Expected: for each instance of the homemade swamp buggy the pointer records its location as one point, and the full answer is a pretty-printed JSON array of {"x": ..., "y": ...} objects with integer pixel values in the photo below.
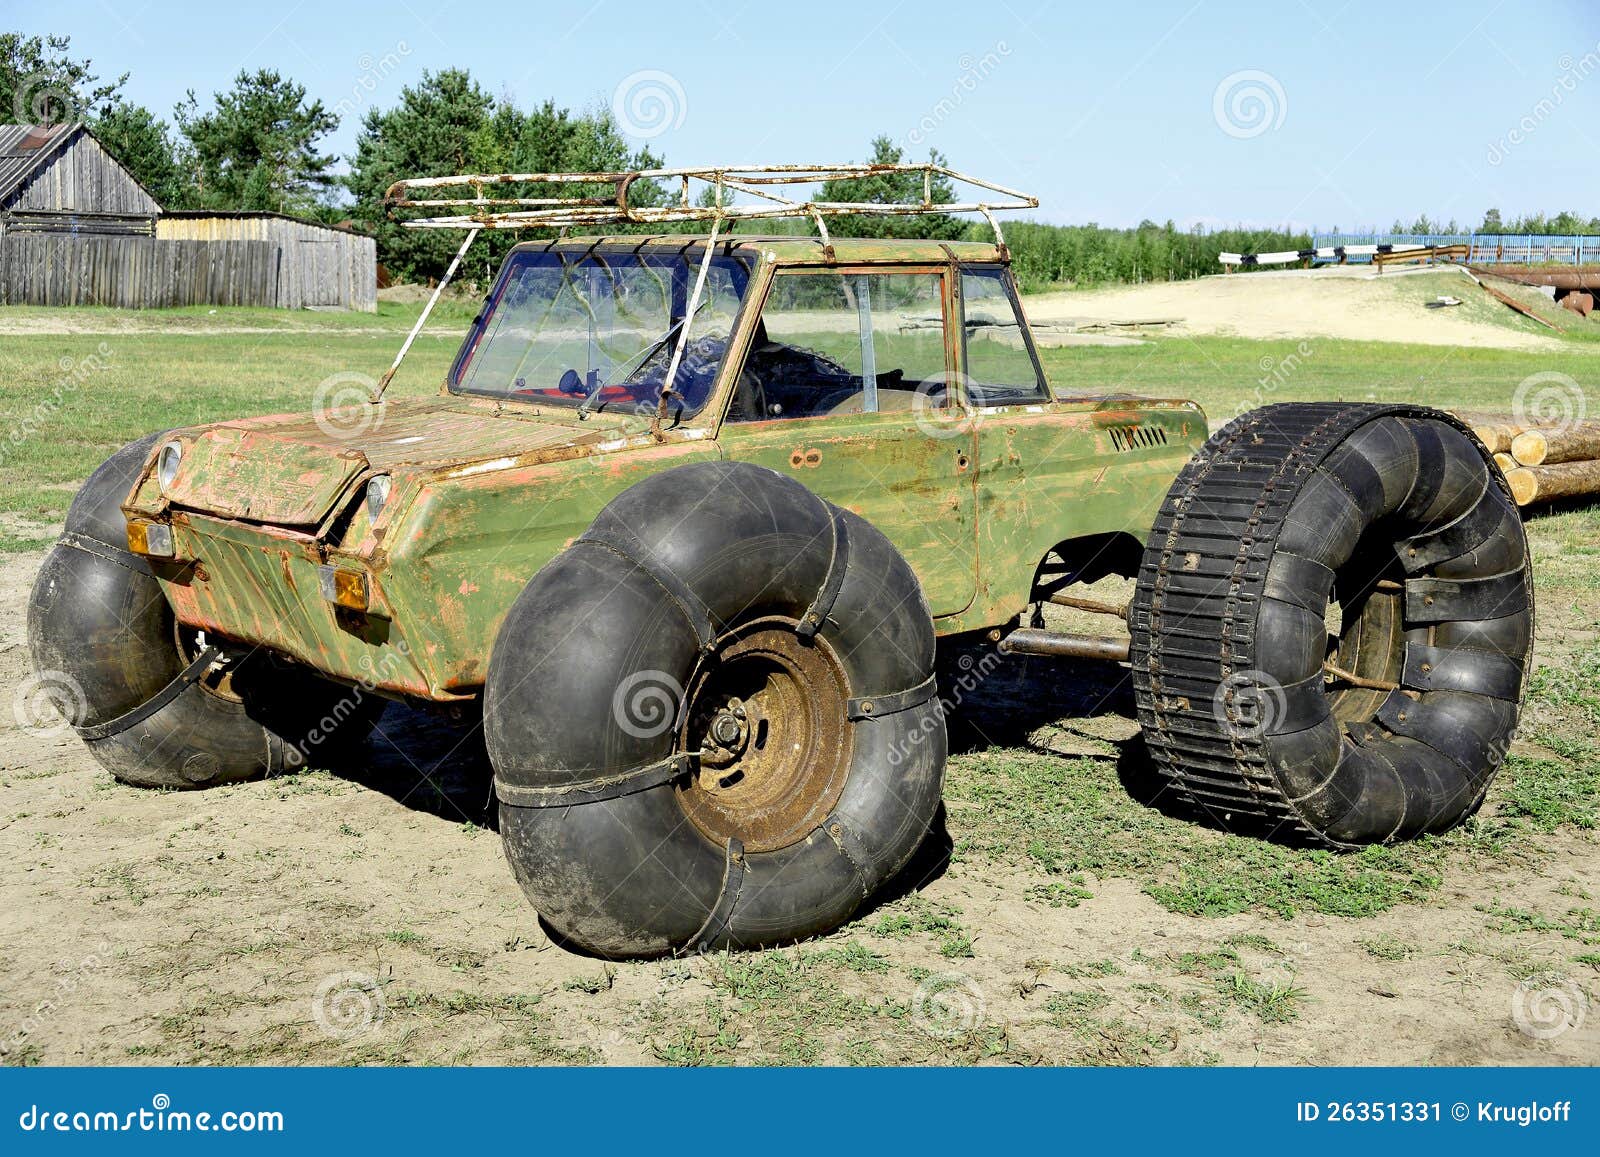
[{"x": 688, "y": 517}]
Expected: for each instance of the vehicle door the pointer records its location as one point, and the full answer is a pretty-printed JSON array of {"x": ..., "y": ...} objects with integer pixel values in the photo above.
[{"x": 848, "y": 385}]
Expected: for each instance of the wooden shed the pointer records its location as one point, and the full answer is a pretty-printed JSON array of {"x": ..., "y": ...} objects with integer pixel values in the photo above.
[
  {"x": 321, "y": 267},
  {"x": 77, "y": 228},
  {"x": 59, "y": 179}
]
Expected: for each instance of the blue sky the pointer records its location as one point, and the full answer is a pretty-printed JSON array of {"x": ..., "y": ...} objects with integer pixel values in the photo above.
[{"x": 1299, "y": 112}]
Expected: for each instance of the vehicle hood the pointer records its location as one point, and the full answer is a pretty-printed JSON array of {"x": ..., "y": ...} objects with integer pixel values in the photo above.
[{"x": 290, "y": 470}]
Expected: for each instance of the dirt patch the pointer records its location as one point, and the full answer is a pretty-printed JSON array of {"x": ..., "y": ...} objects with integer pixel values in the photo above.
[
  {"x": 370, "y": 917},
  {"x": 1352, "y": 304}
]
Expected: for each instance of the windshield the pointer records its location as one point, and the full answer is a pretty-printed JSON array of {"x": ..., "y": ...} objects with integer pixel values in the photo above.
[{"x": 596, "y": 330}]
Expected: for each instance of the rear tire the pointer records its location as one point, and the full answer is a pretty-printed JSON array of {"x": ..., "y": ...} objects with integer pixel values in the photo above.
[
  {"x": 1393, "y": 725},
  {"x": 680, "y": 622}
]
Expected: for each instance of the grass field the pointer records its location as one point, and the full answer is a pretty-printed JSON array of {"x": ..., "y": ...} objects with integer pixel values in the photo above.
[
  {"x": 1075, "y": 923},
  {"x": 69, "y": 399}
]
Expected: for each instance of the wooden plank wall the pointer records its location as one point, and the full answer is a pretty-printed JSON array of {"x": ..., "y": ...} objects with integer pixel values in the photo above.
[
  {"x": 137, "y": 272},
  {"x": 321, "y": 268}
]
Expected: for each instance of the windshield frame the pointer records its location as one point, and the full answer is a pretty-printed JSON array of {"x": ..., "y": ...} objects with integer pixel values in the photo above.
[{"x": 688, "y": 254}]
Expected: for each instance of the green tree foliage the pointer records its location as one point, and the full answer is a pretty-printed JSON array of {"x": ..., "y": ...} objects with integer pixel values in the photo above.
[
  {"x": 143, "y": 144},
  {"x": 42, "y": 83},
  {"x": 256, "y": 148},
  {"x": 448, "y": 124},
  {"x": 1045, "y": 255},
  {"x": 1538, "y": 224},
  {"x": 893, "y": 188}
]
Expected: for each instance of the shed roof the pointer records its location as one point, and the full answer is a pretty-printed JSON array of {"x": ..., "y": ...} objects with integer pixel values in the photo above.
[{"x": 25, "y": 149}]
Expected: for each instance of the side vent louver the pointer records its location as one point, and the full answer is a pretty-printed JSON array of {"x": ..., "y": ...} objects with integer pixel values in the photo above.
[{"x": 1137, "y": 437}]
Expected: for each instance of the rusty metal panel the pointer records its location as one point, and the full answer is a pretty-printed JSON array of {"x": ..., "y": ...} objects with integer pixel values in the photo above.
[{"x": 1047, "y": 474}]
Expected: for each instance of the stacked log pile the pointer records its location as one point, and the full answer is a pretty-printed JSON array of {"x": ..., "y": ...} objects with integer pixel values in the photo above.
[{"x": 1542, "y": 462}]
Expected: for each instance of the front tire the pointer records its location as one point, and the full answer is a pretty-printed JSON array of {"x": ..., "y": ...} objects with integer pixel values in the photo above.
[
  {"x": 712, "y": 718},
  {"x": 100, "y": 628}
]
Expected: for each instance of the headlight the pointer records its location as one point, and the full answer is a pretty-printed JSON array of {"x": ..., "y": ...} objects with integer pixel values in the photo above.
[
  {"x": 167, "y": 463},
  {"x": 377, "y": 495}
]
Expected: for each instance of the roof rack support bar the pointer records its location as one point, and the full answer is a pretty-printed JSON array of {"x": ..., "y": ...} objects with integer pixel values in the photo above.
[
  {"x": 455, "y": 263},
  {"x": 999, "y": 237},
  {"x": 827, "y": 242},
  {"x": 668, "y": 387}
]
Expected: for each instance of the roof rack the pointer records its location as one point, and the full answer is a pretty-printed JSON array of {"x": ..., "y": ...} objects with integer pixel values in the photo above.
[{"x": 769, "y": 186}]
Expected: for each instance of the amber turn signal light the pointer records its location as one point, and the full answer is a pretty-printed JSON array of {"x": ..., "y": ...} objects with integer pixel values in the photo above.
[
  {"x": 151, "y": 539},
  {"x": 342, "y": 587}
]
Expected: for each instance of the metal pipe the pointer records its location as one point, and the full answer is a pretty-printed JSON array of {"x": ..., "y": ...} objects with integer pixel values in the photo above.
[
  {"x": 1064, "y": 645},
  {"x": 1093, "y": 606},
  {"x": 455, "y": 263}
]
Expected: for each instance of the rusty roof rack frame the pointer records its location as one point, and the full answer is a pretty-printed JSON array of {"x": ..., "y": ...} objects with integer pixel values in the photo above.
[{"x": 484, "y": 210}]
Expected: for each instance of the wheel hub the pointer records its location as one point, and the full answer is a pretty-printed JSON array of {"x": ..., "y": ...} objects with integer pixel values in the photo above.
[{"x": 768, "y": 719}]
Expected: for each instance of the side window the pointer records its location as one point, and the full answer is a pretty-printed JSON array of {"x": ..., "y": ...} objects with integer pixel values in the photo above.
[
  {"x": 843, "y": 343},
  {"x": 1000, "y": 370}
]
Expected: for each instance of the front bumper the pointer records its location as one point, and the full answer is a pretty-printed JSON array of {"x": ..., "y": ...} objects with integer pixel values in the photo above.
[{"x": 263, "y": 586}]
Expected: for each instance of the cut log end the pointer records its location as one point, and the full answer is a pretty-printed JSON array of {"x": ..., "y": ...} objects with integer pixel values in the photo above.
[
  {"x": 1530, "y": 447},
  {"x": 1531, "y": 484},
  {"x": 1577, "y": 442},
  {"x": 1493, "y": 437}
]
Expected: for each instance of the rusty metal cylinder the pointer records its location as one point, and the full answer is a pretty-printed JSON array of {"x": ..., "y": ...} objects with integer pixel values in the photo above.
[{"x": 1064, "y": 645}]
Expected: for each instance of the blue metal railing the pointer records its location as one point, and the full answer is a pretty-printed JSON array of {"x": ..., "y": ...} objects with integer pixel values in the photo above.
[{"x": 1487, "y": 248}]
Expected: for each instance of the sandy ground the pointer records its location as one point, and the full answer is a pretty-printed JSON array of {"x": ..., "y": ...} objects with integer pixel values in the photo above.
[
  {"x": 361, "y": 917},
  {"x": 1351, "y": 303}
]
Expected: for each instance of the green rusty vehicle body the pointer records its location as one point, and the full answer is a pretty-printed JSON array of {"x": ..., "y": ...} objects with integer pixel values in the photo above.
[{"x": 486, "y": 491}]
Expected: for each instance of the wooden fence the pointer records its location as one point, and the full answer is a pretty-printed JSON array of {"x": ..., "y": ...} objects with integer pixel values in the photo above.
[{"x": 136, "y": 272}]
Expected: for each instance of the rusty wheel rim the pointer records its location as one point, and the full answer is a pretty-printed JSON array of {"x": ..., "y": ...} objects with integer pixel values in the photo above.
[{"x": 769, "y": 720}]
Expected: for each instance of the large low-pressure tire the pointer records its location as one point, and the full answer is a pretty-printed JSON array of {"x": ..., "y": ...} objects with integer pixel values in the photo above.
[
  {"x": 713, "y": 719},
  {"x": 1383, "y": 721},
  {"x": 109, "y": 654}
]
